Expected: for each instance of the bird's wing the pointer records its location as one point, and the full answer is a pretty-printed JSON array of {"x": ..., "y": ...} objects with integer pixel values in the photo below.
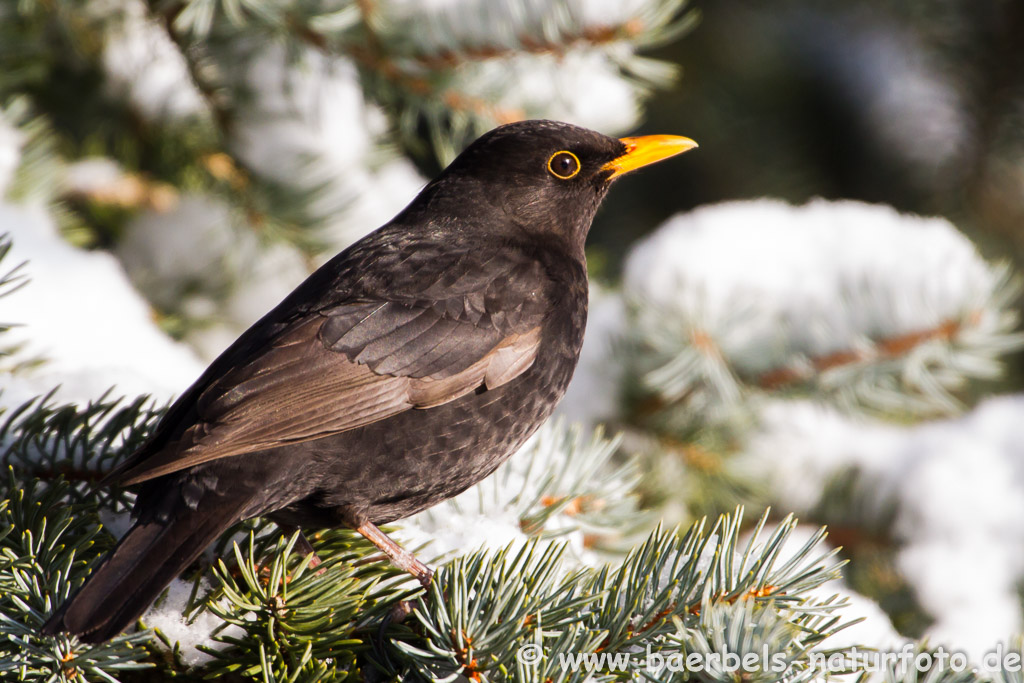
[{"x": 349, "y": 366}]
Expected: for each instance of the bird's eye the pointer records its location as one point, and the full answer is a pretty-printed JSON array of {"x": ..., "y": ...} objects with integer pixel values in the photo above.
[{"x": 564, "y": 164}]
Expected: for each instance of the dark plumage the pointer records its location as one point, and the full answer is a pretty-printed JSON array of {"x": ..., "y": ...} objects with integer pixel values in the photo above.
[{"x": 403, "y": 371}]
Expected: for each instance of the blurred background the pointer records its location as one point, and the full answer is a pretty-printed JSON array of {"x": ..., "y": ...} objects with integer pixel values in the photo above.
[
  {"x": 914, "y": 104},
  {"x": 817, "y": 310}
]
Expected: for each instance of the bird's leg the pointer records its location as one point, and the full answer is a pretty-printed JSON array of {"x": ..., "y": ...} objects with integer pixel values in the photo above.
[
  {"x": 302, "y": 544},
  {"x": 398, "y": 555}
]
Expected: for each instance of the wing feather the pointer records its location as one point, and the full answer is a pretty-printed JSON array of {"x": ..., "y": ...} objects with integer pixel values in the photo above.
[
  {"x": 304, "y": 390},
  {"x": 308, "y": 371}
]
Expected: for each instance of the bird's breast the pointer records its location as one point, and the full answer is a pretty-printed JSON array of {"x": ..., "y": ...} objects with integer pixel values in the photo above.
[{"x": 419, "y": 458}]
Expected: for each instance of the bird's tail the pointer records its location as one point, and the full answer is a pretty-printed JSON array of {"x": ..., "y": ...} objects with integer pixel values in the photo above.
[{"x": 145, "y": 560}]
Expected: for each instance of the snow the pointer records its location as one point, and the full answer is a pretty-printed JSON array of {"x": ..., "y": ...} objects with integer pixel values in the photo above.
[
  {"x": 877, "y": 309},
  {"x": 578, "y": 82},
  {"x": 189, "y": 251},
  {"x": 584, "y": 87},
  {"x": 91, "y": 174},
  {"x": 555, "y": 461},
  {"x": 268, "y": 276},
  {"x": 593, "y": 394},
  {"x": 876, "y": 629},
  {"x": 610, "y": 12},
  {"x": 957, "y": 489},
  {"x": 802, "y": 445},
  {"x": 166, "y": 615},
  {"x": 449, "y": 530},
  {"x": 433, "y": 26},
  {"x": 80, "y": 313},
  {"x": 117, "y": 523},
  {"x": 310, "y": 125},
  {"x": 143, "y": 64},
  {"x": 10, "y": 153},
  {"x": 195, "y": 261},
  {"x": 781, "y": 269}
]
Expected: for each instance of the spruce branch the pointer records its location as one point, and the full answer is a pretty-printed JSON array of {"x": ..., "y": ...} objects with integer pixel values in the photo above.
[
  {"x": 278, "y": 211},
  {"x": 294, "y": 622},
  {"x": 80, "y": 444},
  {"x": 590, "y": 36},
  {"x": 676, "y": 590},
  {"x": 159, "y": 158},
  {"x": 284, "y": 617},
  {"x": 37, "y": 177},
  {"x": 497, "y": 31},
  {"x": 479, "y": 606},
  {"x": 291, "y": 613},
  {"x": 1010, "y": 670},
  {"x": 903, "y": 344},
  {"x": 422, "y": 65},
  {"x": 925, "y": 666},
  {"x": 182, "y": 22},
  {"x": 47, "y": 548},
  {"x": 917, "y": 371},
  {"x": 700, "y": 591},
  {"x": 743, "y": 631},
  {"x": 11, "y": 280},
  {"x": 567, "y": 472},
  {"x": 884, "y": 348}
]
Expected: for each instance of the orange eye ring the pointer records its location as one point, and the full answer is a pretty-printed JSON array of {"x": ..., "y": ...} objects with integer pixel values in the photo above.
[{"x": 564, "y": 165}]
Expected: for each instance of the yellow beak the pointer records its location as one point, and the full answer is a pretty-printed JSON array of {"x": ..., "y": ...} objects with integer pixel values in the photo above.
[{"x": 646, "y": 150}]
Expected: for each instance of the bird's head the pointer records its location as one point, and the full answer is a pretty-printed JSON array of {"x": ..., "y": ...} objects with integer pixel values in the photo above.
[{"x": 542, "y": 176}]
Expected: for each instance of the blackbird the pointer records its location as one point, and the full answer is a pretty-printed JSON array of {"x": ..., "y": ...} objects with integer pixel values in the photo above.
[{"x": 400, "y": 373}]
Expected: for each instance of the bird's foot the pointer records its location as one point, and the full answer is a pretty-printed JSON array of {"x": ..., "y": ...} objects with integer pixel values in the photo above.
[
  {"x": 303, "y": 546},
  {"x": 399, "y": 611},
  {"x": 425, "y": 576}
]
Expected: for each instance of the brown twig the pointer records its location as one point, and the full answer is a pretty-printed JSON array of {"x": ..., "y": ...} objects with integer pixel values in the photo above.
[
  {"x": 777, "y": 378},
  {"x": 592, "y": 35},
  {"x": 372, "y": 57},
  {"x": 762, "y": 592},
  {"x": 889, "y": 347},
  {"x": 222, "y": 114},
  {"x": 425, "y": 88}
]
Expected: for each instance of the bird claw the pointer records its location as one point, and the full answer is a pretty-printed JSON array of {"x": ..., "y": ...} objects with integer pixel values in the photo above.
[{"x": 398, "y": 612}]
